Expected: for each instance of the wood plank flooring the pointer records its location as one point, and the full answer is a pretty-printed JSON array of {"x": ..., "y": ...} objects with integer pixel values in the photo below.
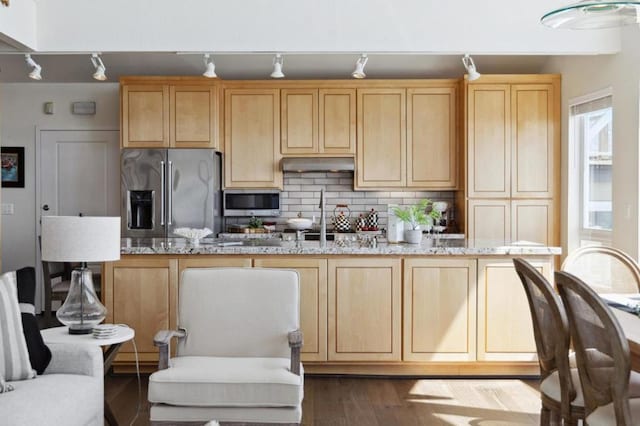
[{"x": 348, "y": 401}]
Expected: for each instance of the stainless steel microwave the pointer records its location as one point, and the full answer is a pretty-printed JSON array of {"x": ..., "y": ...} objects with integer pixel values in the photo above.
[{"x": 251, "y": 202}]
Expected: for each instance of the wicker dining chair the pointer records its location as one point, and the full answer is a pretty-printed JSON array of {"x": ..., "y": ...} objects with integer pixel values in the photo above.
[
  {"x": 602, "y": 355},
  {"x": 605, "y": 269},
  {"x": 560, "y": 390}
]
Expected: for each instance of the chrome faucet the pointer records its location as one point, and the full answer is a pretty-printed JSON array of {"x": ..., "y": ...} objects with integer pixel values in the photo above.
[{"x": 323, "y": 221}]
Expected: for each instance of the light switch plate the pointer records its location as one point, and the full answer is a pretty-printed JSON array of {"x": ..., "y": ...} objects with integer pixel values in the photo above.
[{"x": 6, "y": 209}]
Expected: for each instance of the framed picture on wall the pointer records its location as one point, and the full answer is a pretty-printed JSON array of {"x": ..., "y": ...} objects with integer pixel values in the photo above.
[{"x": 12, "y": 159}]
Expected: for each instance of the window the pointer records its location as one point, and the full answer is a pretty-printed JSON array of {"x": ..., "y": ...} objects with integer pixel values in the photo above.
[{"x": 591, "y": 136}]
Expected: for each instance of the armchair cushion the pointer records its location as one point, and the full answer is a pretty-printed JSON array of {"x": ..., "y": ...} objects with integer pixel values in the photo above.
[{"x": 227, "y": 382}]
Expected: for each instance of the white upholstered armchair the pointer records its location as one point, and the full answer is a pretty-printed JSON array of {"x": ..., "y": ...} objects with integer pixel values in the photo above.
[{"x": 238, "y": 352}]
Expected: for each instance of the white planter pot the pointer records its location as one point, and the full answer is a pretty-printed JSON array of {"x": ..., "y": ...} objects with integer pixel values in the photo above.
[{"x": 413, "y": 236}]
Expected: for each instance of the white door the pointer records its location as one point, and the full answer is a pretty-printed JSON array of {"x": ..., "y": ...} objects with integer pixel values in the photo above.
[{"x": 78, "y": 172}]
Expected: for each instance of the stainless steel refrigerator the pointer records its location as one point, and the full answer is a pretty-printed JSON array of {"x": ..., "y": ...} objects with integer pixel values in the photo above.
[{"x": 165, "y": 189}]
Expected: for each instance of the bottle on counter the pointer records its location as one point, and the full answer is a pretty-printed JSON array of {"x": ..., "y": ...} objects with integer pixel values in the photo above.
[{"x": 395, "y": 227}]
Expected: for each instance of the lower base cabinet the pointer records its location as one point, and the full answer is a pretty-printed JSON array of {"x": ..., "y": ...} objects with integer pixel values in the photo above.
[
  {"x": 364, "y": 309},
  {"x": 505, "y": 329},
  {"x": 439, "y": 310},
  {"x": 142, "y": 293},
  {"x": 313, "y": 302}
]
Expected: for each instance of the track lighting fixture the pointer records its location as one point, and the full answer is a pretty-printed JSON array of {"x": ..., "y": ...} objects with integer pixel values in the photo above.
[
  {"x": 358, "y": 72},
  {"x": 210, "y": 67},
  {"x": 36, "y": 73},
  {"x": 470, "y": 66},
  {"x": 278, "y": 61},
  {"x": 99, "y": 66},
  {"x": 592, "y": 15}
]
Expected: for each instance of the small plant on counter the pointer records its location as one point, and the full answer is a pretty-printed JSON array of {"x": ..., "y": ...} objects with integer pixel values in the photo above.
[
  {"x": 414, "y": 215},
  {"x": 254, "y": 222}
]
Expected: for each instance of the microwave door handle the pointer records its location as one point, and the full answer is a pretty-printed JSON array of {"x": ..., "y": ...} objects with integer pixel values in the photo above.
[
  {"x": 162, "y": 191},
  {"x": 169, "y": 194}
]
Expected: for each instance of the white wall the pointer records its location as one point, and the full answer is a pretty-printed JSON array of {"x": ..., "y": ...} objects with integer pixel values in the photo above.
[
  {"x": 621, "y": 72},
  {"x": 497, "y": 26},
  {"x": 21, "y": 110}
]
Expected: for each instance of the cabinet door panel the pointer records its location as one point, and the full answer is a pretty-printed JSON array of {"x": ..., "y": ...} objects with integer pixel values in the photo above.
[
  {"x": 364, "y": 310},
  {"x": 533, "y": 133},
  {"x": 488, "y": 141},
  {"x": 193, "y": 116},
  {"x": 299, "y": 121},
  {"x": 143, "y": 294},
  {"x": 145, "y": 116},
  {"x": 381, "y": 151},
  {"x": 505, "y": 329},
  {"x": 431, "y": 138},
  {"x": 337, "y": 118},
  {"x": 252, "y": 138},
  {"x": 488, "y": 220},
  {"x": 313, "y": 302},
  {"x": 532, "y": 220},
  {"x": 439, "y": 310}
]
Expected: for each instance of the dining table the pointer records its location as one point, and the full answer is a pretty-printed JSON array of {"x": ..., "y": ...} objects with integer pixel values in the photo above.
[{"x": 630, "y": 324}]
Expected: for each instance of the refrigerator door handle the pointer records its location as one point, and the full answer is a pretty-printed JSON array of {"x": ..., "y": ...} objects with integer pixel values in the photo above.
[
  {"x": 162, "y": 192},
  {"x": 169, "y": 194}
]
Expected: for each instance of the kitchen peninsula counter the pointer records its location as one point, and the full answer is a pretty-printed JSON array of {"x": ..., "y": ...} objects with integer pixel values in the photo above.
[
  {"x": 429, "y": 247},
  {"x": 444, "y": 307}
]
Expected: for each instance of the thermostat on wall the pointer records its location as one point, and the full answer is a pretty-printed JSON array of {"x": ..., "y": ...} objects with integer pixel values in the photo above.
[{"x": 83, "y": 108}]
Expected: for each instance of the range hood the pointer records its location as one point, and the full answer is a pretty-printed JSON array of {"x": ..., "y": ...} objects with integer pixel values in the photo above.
[{"x": 317, "y": 164}]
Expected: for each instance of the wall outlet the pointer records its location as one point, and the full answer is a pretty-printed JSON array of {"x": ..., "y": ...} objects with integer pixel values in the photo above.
[{"x": 6, "y": 209}]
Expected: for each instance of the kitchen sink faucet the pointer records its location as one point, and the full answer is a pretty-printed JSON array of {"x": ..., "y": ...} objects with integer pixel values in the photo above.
[{"x": 323, "y": 221}]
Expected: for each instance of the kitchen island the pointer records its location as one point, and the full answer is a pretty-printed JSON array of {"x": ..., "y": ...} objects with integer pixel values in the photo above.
[{"x": 444, "y": 307}]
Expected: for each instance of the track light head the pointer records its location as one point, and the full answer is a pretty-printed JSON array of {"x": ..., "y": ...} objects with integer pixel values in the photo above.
[
  {"x": 470, "y": 66},
  {"x": 358, "y": 72},
  {"x": 36, "y": 72},
  {"x": 210, "y": 67},
  {"x": 278, "y": 61},
  {"x": 99, "y": 66}
]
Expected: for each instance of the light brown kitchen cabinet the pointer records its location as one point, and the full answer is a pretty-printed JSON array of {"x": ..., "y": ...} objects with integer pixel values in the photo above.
[
  {"x": 432, "y": 138},
  {"x": 142, "y": 293},
  {"x": 364, "y": 309},
  {"x": 252, "y": 138},
  {"x": 169, "y": 113},
  {"x": 381, "y": 138},
  {"x": 337, "y": 121},
  {"x": 313, "y": 301},
  {"x": 504, "y": 221},
  {"x": 145, "y": 116},
  {"x": 505, "y": 330},
  {"x": 214, "y": 262},
  {"x": 299, "y": 115},
  {"x": 439, "y": 310},
  {"x": 193, "y": 116}
]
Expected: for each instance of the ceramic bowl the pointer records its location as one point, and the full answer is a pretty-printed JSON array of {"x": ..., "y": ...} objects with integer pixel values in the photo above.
[{"x": 299, "y": 223}]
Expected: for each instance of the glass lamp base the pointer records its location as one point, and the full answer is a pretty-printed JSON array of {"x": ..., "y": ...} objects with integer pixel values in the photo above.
[{"x": 82, "y": 310}]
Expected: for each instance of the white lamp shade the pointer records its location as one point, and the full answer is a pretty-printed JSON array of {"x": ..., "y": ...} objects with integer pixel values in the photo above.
[{"x": 80, "y": 239}]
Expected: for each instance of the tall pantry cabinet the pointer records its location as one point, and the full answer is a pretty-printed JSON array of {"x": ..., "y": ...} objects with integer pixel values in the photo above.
[{"x": 513, "y": 158}]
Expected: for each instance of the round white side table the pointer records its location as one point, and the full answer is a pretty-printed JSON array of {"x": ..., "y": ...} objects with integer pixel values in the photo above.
[{"x": 123, "y": 334}]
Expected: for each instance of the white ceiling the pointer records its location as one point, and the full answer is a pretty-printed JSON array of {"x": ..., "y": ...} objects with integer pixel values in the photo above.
[{"x": 320, "y": 39}]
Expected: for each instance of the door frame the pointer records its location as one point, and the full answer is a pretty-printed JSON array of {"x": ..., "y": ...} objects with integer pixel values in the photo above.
[{"x": 39, "y": 296}]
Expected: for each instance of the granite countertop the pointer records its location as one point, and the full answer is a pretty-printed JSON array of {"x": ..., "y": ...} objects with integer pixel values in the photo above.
[{"x": 429, "y": 246}]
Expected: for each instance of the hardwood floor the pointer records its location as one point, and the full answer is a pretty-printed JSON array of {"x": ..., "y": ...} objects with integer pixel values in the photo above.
[{"x": 340, "y": 401}]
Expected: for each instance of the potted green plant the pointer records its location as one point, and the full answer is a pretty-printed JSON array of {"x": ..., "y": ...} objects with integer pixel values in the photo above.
[{"x": 415, "y": 216}]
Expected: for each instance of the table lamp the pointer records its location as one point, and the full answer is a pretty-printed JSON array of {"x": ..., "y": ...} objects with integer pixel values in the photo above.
[{"x": 81, "y": 239}]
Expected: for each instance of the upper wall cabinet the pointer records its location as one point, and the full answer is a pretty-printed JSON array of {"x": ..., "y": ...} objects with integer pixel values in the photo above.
[
  {"x": 512, "y": 139},
  {"x": 252, "y": 138},
  {"x": 318, "y": 121},
  {"x": 179, "y": 113},
  {"x": 432, "y": 138},
  {"x": 407, "y": 137},
  {"x": 382, "y": 136}
]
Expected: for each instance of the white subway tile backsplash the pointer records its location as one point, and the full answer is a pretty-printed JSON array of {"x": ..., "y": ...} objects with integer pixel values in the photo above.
[{"x": 302, "y": 194}]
